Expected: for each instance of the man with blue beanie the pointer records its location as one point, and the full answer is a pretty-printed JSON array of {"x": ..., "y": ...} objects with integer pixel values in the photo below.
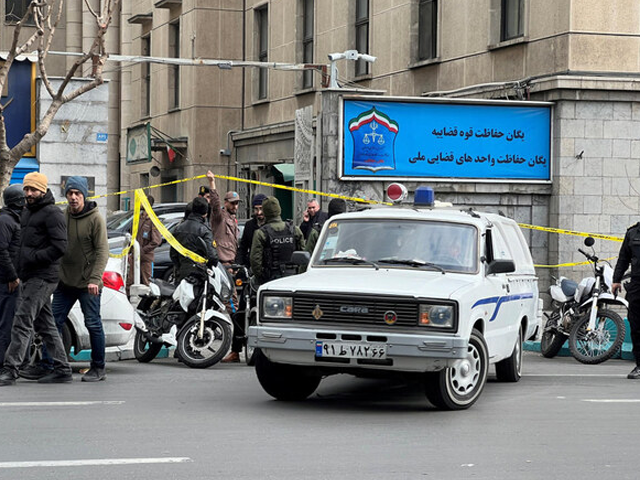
[{"x": 81, "y": 272}]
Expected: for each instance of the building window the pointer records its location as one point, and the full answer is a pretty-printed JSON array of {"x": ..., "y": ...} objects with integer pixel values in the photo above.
[
  {"x": 512, "y": 24},
  {"x": 427, "y": 29},
  {"x": 174, "y": 73},
  {"x": 15, "y": 10},
  {"x": 307, "y": 41},
  {"x": 362, "y": 35},
  {"x": 262, "y": 24},
  {"x": 145, "y": 76}
]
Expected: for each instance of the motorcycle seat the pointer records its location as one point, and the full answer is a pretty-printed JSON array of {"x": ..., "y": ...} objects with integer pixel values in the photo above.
[
  {"x": 569, "y": 287},
  {"x": 166, "y": 288}
]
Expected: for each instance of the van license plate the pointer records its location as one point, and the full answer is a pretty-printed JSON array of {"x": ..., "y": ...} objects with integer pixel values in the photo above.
[{"x": 351, "y": 350}]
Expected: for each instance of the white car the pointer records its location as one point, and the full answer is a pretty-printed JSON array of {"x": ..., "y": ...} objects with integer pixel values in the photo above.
[
  {"x": 118, "y": 316},
  {"x": 428, "y": 293}
]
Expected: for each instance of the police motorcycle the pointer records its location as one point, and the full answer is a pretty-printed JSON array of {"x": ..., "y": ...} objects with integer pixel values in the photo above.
[
  {"x": 191, "y": 316},
  {"x": 583, "y": 313}
]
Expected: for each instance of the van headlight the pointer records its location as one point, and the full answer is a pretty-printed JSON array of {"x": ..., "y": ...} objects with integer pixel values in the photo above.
[
  {"x": 275, "y": 306},
  {"x": 437, "y": 316}
]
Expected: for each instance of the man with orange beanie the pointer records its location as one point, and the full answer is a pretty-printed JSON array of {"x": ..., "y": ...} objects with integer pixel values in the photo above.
[{"x": 43, "y": 243}]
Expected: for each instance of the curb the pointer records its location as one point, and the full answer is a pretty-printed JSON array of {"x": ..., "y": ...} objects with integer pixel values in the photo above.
[{"x": 625, "y": 353}]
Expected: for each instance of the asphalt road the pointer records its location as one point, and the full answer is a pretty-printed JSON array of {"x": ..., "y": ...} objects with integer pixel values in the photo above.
[{"x": 165, "y": 421}]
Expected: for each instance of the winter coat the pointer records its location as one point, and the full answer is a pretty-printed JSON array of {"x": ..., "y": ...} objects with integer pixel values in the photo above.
[
  {"x": 259, "y": 246},
  {"x": 87, "y": 248},
  {"x": 629, "y": 255},
  {"x": 244, "y": 249},
  {"x": 190, "y": 234},
  {"x": 318, "y": 219},
  {"x": 9, "y": 244},
  {"x": 148, "y": 237},
  {"x": 43, "y": 240},
  {"x": 225, "y": 230}
]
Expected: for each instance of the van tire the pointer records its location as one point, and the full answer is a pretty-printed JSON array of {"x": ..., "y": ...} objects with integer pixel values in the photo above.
[
  {"x": 510, "y": 369},
  {"x": 284, "y": 382},
  {"x": 458, "y": 387}
]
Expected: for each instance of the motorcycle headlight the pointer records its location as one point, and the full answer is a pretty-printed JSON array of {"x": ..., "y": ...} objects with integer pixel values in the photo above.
[
  {"x": 277, "y": 307},
  {"x": 437, "y": 316},
  {"x": 225, "y": 292}
]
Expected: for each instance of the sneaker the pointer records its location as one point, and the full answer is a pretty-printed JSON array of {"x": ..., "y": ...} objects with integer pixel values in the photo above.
[
  {"x": 233, "y": 357},
  {"x": 7, "y": 377},
  {"x": 56, "y": 376},
  {"x": 34, "y": 372},
  {"x": 634, "y": 374},
  {"x": 95, "y": 374}
]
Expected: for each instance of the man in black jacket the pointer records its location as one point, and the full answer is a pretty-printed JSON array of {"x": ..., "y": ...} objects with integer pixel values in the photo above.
[
  {"x": 13, "y": 198},
  {"x": 312, "y": 216},
  {"x": 43, "y": 243},
  {"x": 190, "y": 234},
  {"x": 630, "y": 255},
  {"x": 244, "y": 249}
]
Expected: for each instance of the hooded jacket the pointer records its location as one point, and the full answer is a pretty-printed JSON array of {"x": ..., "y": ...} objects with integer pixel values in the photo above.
[
  {"x": 224, "y": 226},
  {"x": 272, "y": 211},
  {"x": 43, "y": 239},
  {"x": 9, "y": 244},
  {"x": 87, "y": 248}
]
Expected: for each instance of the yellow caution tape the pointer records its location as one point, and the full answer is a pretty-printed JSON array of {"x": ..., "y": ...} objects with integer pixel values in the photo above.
[
  {"x": 571, "y": 232},
  {"x": 141, "y": 198},
  {"x": 572, "y": 264}
]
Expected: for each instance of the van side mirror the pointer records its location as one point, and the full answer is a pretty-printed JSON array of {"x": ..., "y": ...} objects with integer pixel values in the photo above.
[
  {"x": 301, "y": 258},
  {"x": 501, "y": 266}
]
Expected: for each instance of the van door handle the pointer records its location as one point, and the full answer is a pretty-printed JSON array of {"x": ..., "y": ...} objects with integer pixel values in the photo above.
[{"x": 506, "y": 287}]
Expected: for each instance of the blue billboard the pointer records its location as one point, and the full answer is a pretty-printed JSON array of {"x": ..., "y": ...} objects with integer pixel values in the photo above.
[
  {"x": 19, "y": 101},
  {"x": 391, "y": 139}
]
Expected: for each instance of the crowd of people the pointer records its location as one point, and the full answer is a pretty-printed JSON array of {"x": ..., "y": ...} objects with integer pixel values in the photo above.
[{"x": 51, "y": 258}]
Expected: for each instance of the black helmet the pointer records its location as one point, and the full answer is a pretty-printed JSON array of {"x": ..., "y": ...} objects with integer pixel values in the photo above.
[{"x": 13, "y": 195}]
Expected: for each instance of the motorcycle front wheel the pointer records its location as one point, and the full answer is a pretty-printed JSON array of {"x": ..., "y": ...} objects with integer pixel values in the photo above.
[
  {"x": 600, "y": 344},
  {"x": 143, "y": 349},
  {"x": 203, "y": 352},
  {"x": 552, "y": 340}
]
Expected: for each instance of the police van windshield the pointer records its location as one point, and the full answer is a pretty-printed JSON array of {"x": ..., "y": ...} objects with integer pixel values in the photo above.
[{"x": 442, "y": 246}]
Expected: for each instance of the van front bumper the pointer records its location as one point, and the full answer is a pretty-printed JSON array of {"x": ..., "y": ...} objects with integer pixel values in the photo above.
[{"x": 418, "y": 352}]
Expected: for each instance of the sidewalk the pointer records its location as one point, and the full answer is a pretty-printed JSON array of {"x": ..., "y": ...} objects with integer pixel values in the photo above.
[{"x": 625, "y": 352}]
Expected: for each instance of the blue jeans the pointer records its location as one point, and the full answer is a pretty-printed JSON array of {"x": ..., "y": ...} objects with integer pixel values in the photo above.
[
  {"x": 64, "y": 298},
  {"x": 7, "y": 310}
]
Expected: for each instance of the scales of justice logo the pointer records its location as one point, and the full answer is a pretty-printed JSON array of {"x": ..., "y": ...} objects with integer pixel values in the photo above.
[{"x": 374, "y": 135}]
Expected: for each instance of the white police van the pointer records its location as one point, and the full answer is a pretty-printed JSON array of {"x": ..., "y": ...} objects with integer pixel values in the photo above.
[{"x": 437, "y": 293}]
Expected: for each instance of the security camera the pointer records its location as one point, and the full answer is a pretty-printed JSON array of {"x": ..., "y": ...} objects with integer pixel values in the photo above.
[
  {"x": 222, "y": 151},
  {"x": 367, "y": 58},
  {"x": 336, "y": 56}
]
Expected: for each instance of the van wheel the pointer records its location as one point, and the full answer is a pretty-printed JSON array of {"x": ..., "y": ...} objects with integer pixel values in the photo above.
[
  {"x": 510, "y": 369},
  {"x": 284, "y": 382},
  {"x": 458, "y": 387}
]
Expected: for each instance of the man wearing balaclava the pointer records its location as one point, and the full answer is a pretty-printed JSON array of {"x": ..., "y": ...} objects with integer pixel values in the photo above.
[
  {"x": 273, "y": 244},
  {"x": 13, "y": 199},
  {"x": 81, "y": 273},
  {"x": 43, "y": 241}
]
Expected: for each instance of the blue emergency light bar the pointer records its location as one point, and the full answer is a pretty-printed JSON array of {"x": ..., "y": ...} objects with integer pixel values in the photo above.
[{"x": 424, "y": 197}]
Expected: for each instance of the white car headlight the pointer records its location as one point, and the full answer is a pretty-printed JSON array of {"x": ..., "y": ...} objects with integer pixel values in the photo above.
[
  {"x": 438, "y": 315},
  {"x": 277, "y": 307}
]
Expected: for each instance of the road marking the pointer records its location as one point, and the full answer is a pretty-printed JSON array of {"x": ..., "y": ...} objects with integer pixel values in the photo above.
[
  {"x": 94, "y": 462},
  {"x": 604, "y": 375},
  {"x": 58, "y": 404},
  {"x": 612, "y": 400}
]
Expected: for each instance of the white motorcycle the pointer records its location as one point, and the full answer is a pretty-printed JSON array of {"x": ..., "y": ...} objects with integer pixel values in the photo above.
[
  {"x": 582, "y": 311},
  {"x": 197, "y": 325}
]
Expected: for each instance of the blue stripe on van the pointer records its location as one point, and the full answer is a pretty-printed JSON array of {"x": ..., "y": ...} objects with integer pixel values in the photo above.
[{"x": 500, "y": 300}]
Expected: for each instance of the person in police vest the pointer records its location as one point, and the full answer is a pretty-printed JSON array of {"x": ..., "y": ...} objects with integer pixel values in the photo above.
[{"x": 273, "y": 244}]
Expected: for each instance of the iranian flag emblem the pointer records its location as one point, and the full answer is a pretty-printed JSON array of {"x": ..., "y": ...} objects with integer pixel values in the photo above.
[{"x": 374, "y": 135}]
